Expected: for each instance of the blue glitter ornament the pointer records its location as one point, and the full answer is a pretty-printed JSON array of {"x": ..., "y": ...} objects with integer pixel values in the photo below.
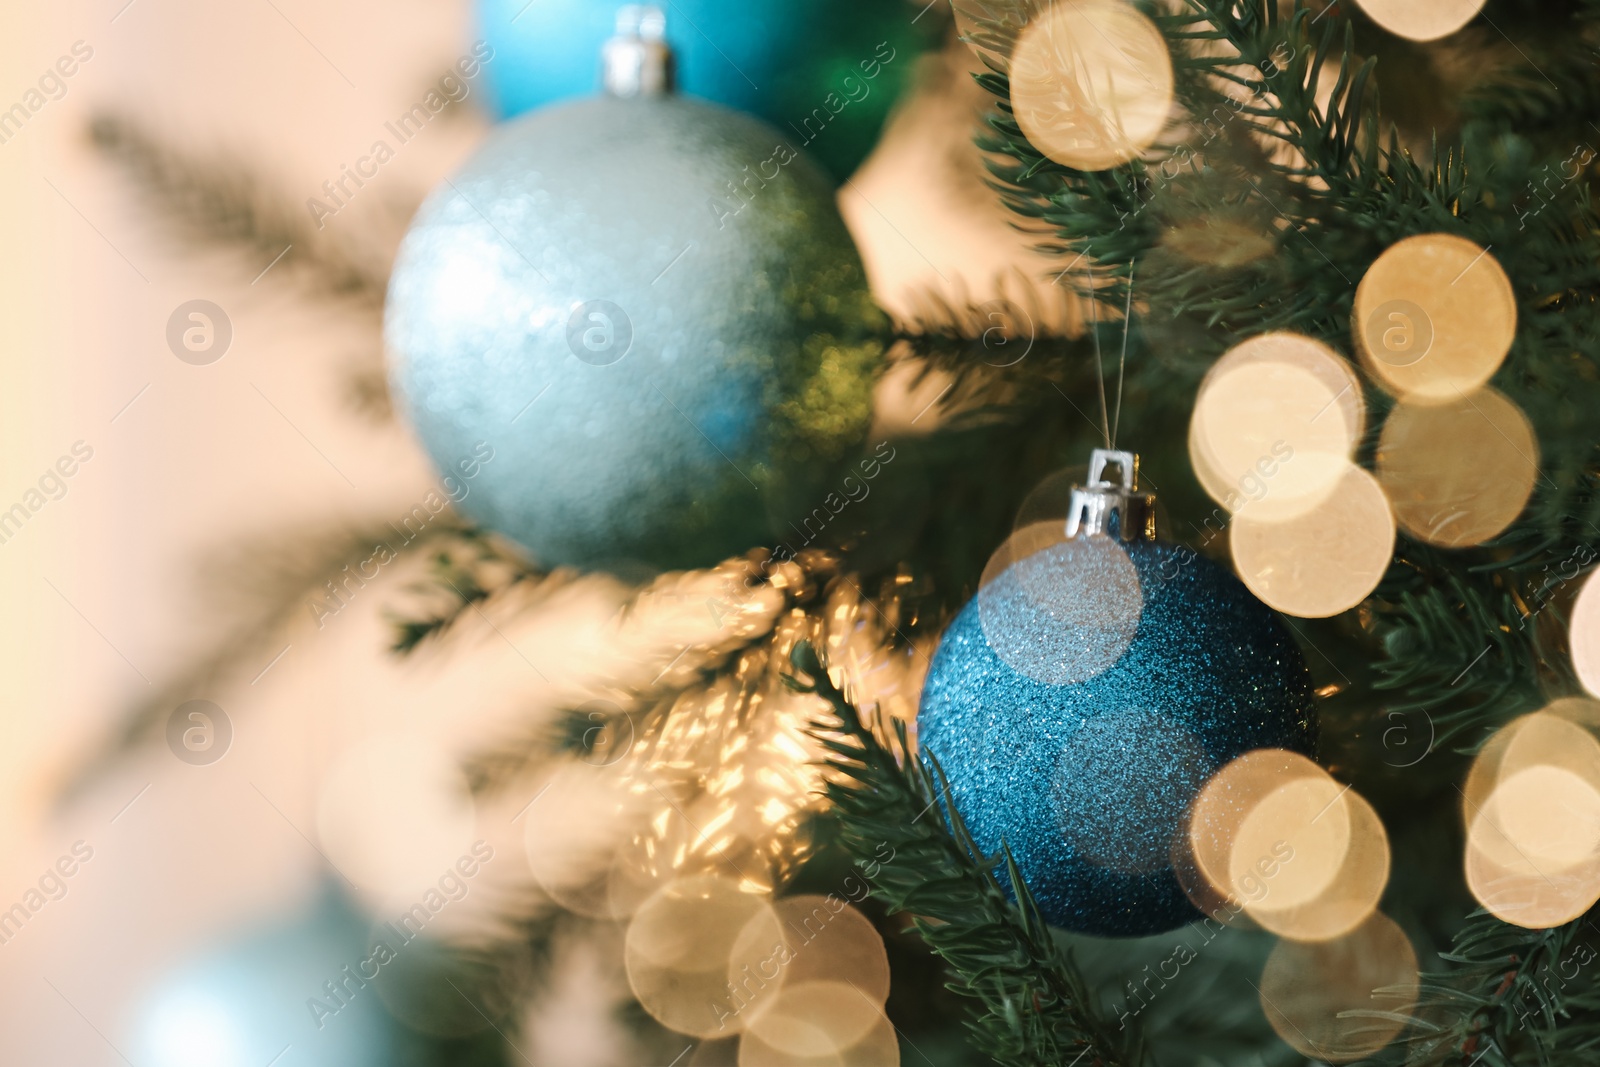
[
  {"x": 1079, "y": 703},
  {"x": 825, "y": 72},
  {"x": 634, "y": 329}
]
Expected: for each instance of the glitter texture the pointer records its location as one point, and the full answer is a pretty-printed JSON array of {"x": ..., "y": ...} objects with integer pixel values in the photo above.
[
  {"x": 1088, "y": 783},
  {"x": 735, "y": 361}
]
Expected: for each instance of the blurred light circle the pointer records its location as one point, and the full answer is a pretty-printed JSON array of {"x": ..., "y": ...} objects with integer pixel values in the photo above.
[
  {"x": 879, "y": 1048},
  {"x": 1531, "y": 805},
  {"x": 1302, "y": 855},
  {"x": 681, "y": 961},
  {"x": 1306, "y": 987},
  {"x": 1305, "y": 817},
  {"x": 1421, "y": 20},
  {"x": 1091, "y": 83},
  {"x": 1224, "y": 803},
  {"x": 1443, "y": 288},
  {"x": 572, "y": 831},
  {"x": 1544, "y": 817},
  {"x": 641, "y": 865},
  {"x": 1274, "y": 425},
  {"x": 815, "y": 1018},
  {"x": 824, "y": 938},
  {"x": 1580, "y": 711},
  {"x": 1059, "y": 610},
  {"x": 1325, "y": 561},
  {"x": 1460, "y": 472},
  {"x": 1555, "y": 736},
  {"x": 1584, "y": 634},
  {"x": 394, "y": 812},
  {"x": 1352, "y": 880},
  {"x": 822, "y": 972},
  {"x": 1006, "y": 18},
  {"x": 1525, "y": 896},
  {"x": 1559, "y": 735},
  {"x": 1398, "y": 333}
]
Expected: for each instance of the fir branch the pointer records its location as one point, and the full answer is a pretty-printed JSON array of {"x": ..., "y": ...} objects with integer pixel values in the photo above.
[
  {"x": 222, "y": 202},
  {"x": 998, "y": 353},
  {"x": 1458, "y": 651},
  {"x": 1343, "y": 201},
  {"x": 1298, "y": 176},
  {"x": 1032, "y": 1006},
  {"x": 1550, "y": 89},
  {"x": 473, "y": 566},
  {"x": 267, "y": 585},
  {"x": 1516, "y": 998}
]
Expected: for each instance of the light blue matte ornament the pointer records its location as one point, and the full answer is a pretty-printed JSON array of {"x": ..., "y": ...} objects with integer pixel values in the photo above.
[
  {"x": 284, "y": 995},
  {"x": 1083, "y": 760},
  {"x": 649, "y": 316},
  {"x": 824, "y": 72}
]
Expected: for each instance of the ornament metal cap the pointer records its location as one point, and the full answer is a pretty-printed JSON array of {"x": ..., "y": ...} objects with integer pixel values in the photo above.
[
  {"x": 1112, "y": 509},
  {"x": 637, "y": 61}
]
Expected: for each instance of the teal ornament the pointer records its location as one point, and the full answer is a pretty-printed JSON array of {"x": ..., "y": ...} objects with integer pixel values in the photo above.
[
  {"x": 286, "y": 986},
  {"x": 824, "y": 72},
  {"x": 1081, "y": 700},
  {"x": 634, "y": 329}
]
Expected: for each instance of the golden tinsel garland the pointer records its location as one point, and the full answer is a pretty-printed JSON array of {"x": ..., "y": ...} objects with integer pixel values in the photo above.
[{"x": 722, "y": 773}]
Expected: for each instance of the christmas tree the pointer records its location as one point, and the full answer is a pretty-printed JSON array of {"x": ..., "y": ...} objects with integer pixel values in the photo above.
[{"x": 1291, "y": 760}]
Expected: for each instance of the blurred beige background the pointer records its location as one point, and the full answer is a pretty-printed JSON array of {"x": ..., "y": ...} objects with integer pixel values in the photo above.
[{"x": 204, "y": 476}]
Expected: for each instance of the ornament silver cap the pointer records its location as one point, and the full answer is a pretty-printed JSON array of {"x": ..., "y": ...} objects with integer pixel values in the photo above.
[
  {"x": 637, "y": 61},
  {"x": 1104, "y": 508}
]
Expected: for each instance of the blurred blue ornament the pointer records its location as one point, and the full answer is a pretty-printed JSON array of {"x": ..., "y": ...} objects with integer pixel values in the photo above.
[
  {"x": 825, "y": 72},
  {"x": 1081, "y": 700},
  {"x": 247, "y": 1005},
  {"x": 634, "y": 329}
]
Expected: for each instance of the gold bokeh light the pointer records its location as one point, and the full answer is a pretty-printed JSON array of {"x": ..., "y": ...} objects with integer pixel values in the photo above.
[
  {"x": 826, "y": 938},
  {"x": 1274, "y": 425},
  {"x": 1352, "y": 882},
  {"x": 1091, "y": 83},
  {"x": 1306, "y": 816},
  {"x": 1221, "y": 807},
  {"x": 807, "y": 977},
  {"x": 1325, "y": 561},
  {"x": 1057, "y": 610},
  {"x": 1421, "y": 20},
  {"x": 879, "y": 1048},
  {"x": 680, "y": 958},
  {"x": 1584, "y": 634},
  {"x": 1557, "y": 736},
  {"x": 1544, "y": 817},
  {"x": 1300, "y": 854},
  {"x": 815, "y": 1019},
  {"x": 1458, "y": 473},
  {"x": 1531, "y": 805},
  {"x": 1434, "y": 317},
  {"x": 1311, "y": 990}
]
